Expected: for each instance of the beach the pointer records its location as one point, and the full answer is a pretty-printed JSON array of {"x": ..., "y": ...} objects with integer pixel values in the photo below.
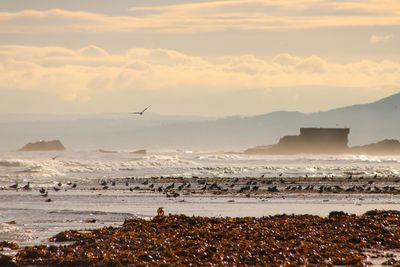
[{"x": 260, "y": 186}]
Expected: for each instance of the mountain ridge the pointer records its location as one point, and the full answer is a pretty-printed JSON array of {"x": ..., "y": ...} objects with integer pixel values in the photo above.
[{"x": 369, "y": 123}]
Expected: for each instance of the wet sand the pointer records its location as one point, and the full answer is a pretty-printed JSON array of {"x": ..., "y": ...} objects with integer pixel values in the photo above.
[{"x": 109, "y": 202}]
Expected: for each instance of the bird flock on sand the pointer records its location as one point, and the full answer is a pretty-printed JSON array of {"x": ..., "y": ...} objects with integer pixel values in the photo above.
[{"x": 173, "y": 187}]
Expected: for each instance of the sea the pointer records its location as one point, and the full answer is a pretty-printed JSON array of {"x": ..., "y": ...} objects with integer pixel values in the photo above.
[{"x": 41, "y": 168}]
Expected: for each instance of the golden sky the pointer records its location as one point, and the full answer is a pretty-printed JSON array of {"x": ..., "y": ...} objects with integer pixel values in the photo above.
[{"x": 207, "y": 58}]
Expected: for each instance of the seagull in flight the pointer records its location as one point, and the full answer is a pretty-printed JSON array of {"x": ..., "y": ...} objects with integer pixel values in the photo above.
[{"x": 140, "y": 112}]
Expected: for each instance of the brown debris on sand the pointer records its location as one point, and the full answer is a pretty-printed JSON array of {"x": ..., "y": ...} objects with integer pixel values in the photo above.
[
  {"x": 9, "y": 245},
  {"x": 286, "y": 240}
]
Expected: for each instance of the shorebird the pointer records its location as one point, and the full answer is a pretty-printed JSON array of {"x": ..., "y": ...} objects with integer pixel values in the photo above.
[
  {"x": 27, "y": 186},
  {"x": 160, "y": 212},
  {"x": 170, "y": 186},
  {"x": 54, "y": 158},
  {"x": 140, "y": 112},
  {"x": 14, "y": 186}
]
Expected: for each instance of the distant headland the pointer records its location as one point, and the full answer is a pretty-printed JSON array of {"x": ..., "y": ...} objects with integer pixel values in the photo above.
[
  {"x": 325, "y": 141},
  {"x": 42, "y": 145}
]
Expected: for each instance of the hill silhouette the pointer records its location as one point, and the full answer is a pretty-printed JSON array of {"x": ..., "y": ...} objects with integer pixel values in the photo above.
[{"x": 369, "y": 123}]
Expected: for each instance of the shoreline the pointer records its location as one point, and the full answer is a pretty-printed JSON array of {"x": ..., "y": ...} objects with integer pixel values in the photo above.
[
  {"x": 111, "y": 201},
  {"x": 339, "y": 239}
]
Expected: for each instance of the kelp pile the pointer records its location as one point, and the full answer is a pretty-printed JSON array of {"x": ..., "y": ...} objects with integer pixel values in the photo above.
[
  {"x": 8, "y": 245},
  {"x": 287, "y": 240}
]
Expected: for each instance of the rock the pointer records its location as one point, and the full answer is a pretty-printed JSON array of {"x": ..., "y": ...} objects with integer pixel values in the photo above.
[
  {"x": 385, "y": 147},
  {"x": 107, "y": 151},
  {"x": 43, "y": 146},
  {"x": 141, "y": 152},
  {"x": 310, "y": 141}
]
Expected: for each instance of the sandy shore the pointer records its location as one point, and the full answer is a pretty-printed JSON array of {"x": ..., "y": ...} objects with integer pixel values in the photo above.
[{"x": 28, "y": 218}]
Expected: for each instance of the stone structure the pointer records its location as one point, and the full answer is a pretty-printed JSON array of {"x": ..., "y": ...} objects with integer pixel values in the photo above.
[
  {"x": 316, "y": 140},
  {"x": 310, "y": 141}
]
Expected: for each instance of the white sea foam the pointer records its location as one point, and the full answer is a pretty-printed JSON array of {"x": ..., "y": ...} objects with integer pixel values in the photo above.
[{"x": 40, "y": 168}]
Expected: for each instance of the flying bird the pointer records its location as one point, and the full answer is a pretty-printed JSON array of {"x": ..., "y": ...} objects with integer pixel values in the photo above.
[{"x": 141, "y": 112}]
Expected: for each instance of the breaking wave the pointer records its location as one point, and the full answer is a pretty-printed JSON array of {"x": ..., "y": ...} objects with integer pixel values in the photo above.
[{"x": 41, "y": 167}]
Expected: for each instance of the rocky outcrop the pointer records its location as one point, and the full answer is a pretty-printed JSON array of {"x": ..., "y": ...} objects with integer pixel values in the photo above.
[
  {"x": 310, "y": 141},
  {"x": 325, "y": 141},
  {"x": 385, "y": 147},
  {"x": 140, "y": 152},
  {"x": 107, "y": 151},
  {"x": 42, "y": 145}
]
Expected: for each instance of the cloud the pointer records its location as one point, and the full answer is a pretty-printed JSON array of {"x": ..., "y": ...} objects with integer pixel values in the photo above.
[
  {"x": 81, "y": 74},
  {"x": 211, "y": 16},
  {"x": 379, "y": 39}
]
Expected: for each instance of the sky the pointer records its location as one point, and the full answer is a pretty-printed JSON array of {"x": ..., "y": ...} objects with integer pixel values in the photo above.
[{"x": 203, "y": 58}]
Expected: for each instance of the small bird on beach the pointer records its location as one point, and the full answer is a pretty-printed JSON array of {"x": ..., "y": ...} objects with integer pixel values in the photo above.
[
  {"x": 55, "y": 157},
  {"x": 103, "y": 183},
  {"x": 160, "y": 211},
  {"x": 27, "y": 186},
  {"x": 14, "y": 186},
  {"x": 140, "y": 112},
  {"x": 56, "y": 189},
  {"x": 42, "y": 190},
  {"x": 74, "y": 185},
  {"x": 170, "y": 186}
]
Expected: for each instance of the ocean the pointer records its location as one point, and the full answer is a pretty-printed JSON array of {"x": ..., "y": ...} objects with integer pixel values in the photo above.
[{"x": 40, "y": 169}]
